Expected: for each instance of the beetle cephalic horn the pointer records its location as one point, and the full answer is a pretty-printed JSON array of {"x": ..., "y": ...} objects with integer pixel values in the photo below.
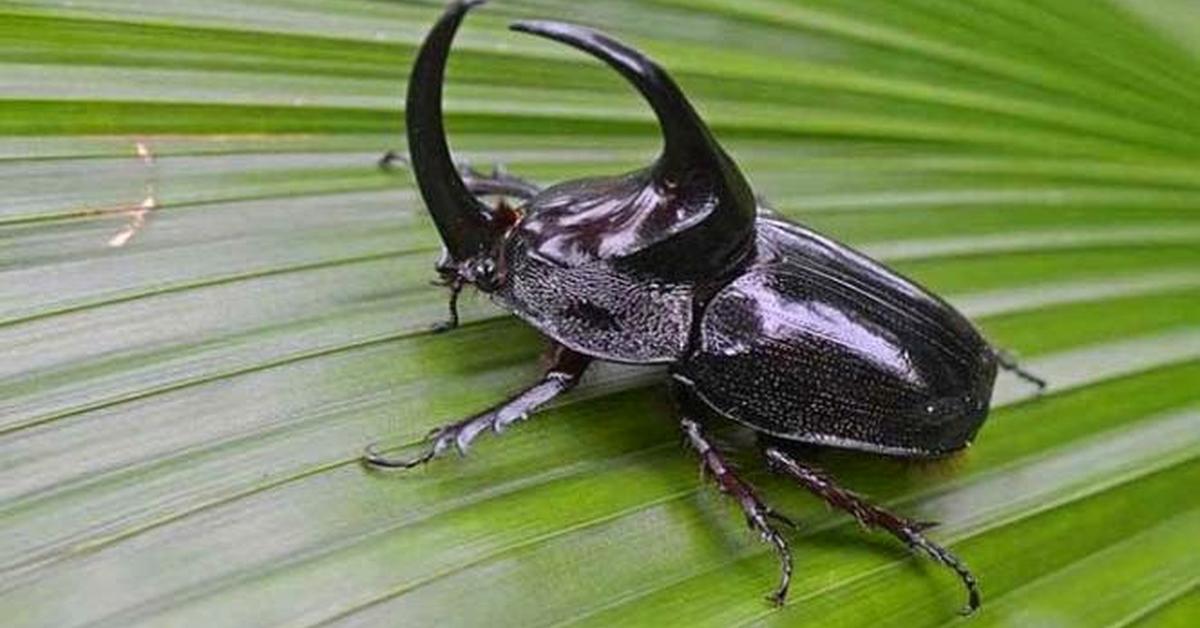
[
  {"x": 464, "y": 222},
  {"x": 688, "y": 145}
]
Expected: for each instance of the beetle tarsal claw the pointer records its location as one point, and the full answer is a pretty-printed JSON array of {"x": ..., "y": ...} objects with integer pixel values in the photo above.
[
  {"x": 756, "y": 512},
  {"x": 374, "y": 459},
  {"x": 781, "y": 518},
  {"x": 440, "y": 439},
  {"x": 871, "y": 516},
  {"x": 785, "y": 569}
]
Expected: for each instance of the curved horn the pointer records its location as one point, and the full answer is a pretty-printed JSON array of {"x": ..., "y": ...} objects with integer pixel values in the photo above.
[
  {"x": 687, "y": 142},
  {"x": 464, "y": 222}
]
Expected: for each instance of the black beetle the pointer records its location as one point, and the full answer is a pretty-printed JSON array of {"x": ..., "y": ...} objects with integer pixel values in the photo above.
[{"x": 798, "y": 337}]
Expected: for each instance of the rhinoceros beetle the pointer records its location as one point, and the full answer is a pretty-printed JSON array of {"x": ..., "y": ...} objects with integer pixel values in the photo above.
[{"x": 759, "y": 320}]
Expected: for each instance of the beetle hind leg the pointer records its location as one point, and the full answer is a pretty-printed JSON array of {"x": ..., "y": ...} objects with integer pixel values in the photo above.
[
  {"x": 1009, "y": 363},
  {"x": 872, "y": 516},
  {"x": 758, "y": 514},
  {"x": 563, "y": 374}
]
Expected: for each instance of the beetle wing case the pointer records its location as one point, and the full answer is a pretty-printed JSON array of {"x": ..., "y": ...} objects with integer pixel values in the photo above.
[{"x": 814, "y": 344}]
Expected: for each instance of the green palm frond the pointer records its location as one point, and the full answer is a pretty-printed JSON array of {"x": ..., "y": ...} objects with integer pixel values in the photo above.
[{"x": 195, "y": 347}]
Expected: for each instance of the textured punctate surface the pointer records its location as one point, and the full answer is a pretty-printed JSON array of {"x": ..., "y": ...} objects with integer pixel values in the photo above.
[
  {"x": 596, "y": 310},
  {"x": 818, "y": 345}
]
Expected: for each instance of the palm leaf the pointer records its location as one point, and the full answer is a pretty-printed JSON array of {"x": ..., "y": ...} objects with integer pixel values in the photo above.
[{"x": 187, "y": 381}]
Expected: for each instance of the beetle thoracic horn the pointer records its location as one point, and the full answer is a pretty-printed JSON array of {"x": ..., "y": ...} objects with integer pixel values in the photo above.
[
  {"x": 687, "y": 143},
  {"x": 465, "y": 223}
]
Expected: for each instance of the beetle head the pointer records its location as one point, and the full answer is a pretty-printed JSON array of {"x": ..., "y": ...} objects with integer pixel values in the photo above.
[
  {"x": 469, "y": 229},
  {"x": 689, "y": 216}
]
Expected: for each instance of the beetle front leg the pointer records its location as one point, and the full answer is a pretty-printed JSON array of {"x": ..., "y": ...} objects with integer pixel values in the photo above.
[
  {"x": 455, "y": 285},
  {"x": 563, "y": 374},
  {"x": 872, "y": 516},
  {"x": 758, "y": 514}
]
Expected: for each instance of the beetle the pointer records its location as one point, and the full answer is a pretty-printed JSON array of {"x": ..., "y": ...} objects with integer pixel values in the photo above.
[{"x": 759, "y": 320}]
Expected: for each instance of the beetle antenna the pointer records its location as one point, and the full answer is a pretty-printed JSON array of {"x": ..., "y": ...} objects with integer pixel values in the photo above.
[
  {"x": 688, "y": 145},
  {"x": 464, "y": 222}
]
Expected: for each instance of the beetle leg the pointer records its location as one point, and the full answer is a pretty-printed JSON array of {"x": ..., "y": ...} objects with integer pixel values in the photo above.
[
  {"x": 565, "y": 372},
  {"x": 1009, "y": 363},
  {"x": 758, "y": 514},
  {"x": 456, "y": 286},
  {"x": 498, "y": 183},
  {"x": 873, "y": 516},
  {"x": 388, "y": 161}
]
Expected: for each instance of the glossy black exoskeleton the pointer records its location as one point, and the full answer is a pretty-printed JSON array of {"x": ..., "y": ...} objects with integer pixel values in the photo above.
[{"x": 791, "y": 334}]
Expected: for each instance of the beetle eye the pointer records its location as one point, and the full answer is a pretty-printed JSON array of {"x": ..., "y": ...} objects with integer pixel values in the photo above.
[{"x": 485, "y": 268}]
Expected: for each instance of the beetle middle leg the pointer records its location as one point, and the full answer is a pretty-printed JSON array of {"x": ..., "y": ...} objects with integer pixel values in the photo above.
[
  {"x": 872, "y": 516},
  {"x": 498, "y": 183},
  {"x": 388, "y": 161},
  {"x": 563, "y": 374},
  {"x": 758, "y": 514}
]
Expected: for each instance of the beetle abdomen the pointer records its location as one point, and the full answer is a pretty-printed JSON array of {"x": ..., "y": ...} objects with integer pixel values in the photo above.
[{"x": 801, "y": 347}]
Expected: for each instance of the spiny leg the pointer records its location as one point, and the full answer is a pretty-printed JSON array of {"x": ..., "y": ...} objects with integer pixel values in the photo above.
[
  {"x": 389, "y": 160},
  {"x": 455, "y": 285},
  {"x": 563, "y": 374},
  {"x": 498, "y": 183},
  {"x": 757, "y": 513},
  {"x": 869, "y": 515},
  {"x": 1009, "y": 363}
]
